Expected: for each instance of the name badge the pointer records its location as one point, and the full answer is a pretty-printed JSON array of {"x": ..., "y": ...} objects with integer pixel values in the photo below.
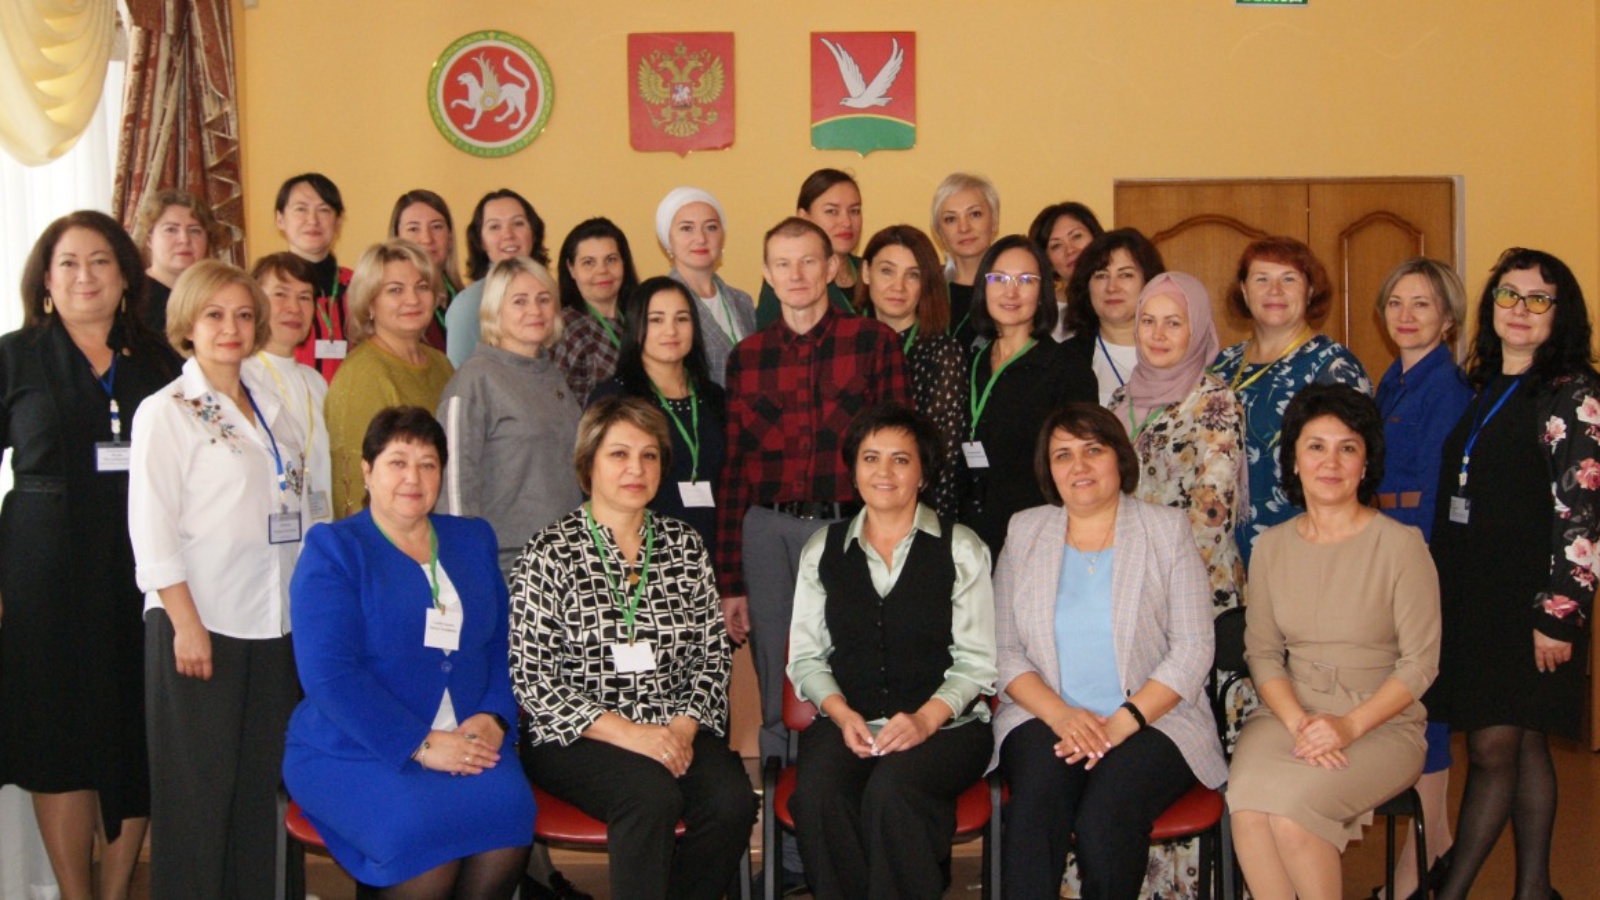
[
  {"x": 443, "y": 629},
  {"x": 283, "y": 528},
  {"x": 1460, "y": 510},
  {"x": 638, "y": 656},
  {"x": 976, "y": 457},
  {"x": 317, "y": 505},
  {"x": 696, "y": 493},
  {"x": 112, "y": 456},
  {"x": 327, "y": 349}
]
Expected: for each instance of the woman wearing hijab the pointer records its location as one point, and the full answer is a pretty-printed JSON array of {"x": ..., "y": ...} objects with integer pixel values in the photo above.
[{"x": 691, "y": 229}]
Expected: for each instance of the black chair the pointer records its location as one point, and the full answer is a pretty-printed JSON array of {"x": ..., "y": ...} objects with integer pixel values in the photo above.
[{"x": 1406, "y": 803}]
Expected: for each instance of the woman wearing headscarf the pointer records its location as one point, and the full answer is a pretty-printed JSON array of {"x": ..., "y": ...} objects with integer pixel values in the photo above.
[{"x": 691, "y": 230}]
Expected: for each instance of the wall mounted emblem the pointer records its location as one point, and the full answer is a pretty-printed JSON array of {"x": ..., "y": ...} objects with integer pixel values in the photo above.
[
  {"x": 863, "y": 90},
  {"x": 490, "y": 93},
  {"x": 680, "y": 91}
]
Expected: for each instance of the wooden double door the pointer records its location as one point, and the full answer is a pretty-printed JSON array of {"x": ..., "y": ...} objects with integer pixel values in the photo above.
[{"x": 1359, "y": 228}]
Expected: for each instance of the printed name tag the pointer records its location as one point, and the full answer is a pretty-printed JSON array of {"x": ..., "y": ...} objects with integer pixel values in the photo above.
[
  {"x": 317, "y": 504},
  {"x": 283, "y": 528},
  {"x": 696, "y": 493},
  {"x": 331, "y": 349},
  {"x": 112, "y": 456},
  {"x": 443, "y": 630},
  {"x": 976, "y": 457},
  {"x": 638, "y": 656},
  {"x": 1460, "y": 510}
]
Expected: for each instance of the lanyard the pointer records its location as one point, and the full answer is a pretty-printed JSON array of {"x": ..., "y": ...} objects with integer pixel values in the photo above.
[
  {"x": 277, "y": 458},
  {"x": 691, "y": 437},
  {"x": 439, "y": 308},
  {"x": 911, "y": 337},
  {"x": 626, "y": 604},
  {"x": 1305, "y": 335},
  {"x": 311, "y": 418},
  {"x": 1477, "y": 428},
  {"x": 1135, "y": 428},
  {"x": 611, "y": 333},
  {"x": 977, "y": 403},
  {"x": 107, "y": 382},
  {"x": 433, "y": 561},
  {"x": 1112, "y": 363}
]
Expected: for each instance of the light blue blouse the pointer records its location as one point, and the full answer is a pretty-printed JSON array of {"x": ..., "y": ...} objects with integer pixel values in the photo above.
[{"x": 1084, "y": 650}]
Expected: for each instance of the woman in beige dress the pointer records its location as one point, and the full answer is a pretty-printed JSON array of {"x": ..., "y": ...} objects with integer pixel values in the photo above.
[{"x": 1342, "y": 639}]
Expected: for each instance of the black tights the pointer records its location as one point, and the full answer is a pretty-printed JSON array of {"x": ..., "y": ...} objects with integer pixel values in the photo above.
[
  {"x": 1509, "y": 776},
  {"x": 491, "y": 875}
]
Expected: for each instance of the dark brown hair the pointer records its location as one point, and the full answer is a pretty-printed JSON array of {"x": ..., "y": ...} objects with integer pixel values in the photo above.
[
  {"x": 1086, "y": 422},
  {"x": 37, "y": 267}
]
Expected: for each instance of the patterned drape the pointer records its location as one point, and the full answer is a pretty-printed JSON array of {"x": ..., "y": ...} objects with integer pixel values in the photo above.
[{"x": 181, "y": 116}]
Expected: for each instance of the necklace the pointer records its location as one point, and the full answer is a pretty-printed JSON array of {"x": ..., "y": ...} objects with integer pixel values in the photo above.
[{"x": 1105, "y": 542}]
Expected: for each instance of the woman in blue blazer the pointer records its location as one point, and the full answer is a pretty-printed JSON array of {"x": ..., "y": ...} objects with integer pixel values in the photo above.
[{"x": 400, "y": 624}]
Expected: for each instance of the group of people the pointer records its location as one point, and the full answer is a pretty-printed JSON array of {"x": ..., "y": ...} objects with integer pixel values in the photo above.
[{"x": 408, "y": 545}]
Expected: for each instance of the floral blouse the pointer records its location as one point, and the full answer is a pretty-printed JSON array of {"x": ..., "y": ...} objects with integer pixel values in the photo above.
[
  {"x": 1264, "y": 391},
  {"x": 565, "y": 621},
  {"x": 1571, "y": 412},
  {"x": 937, "y": 368},
  {"x": 1189, "y": 459}
]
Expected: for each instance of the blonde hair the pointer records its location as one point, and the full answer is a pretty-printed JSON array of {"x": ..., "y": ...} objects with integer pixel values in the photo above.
[
  {"x": 195, "y": 287},
  {"x": 597, "y": 421},
  {"x": 144, "y": 223},
  {"x": 955, "y": 183},
  {"x": 367, "y": 279},
  {"x": 1446, "y": 285},
  {"x": 497, "y": 286}
]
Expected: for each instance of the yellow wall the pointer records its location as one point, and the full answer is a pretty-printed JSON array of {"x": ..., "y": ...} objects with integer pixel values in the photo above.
[{"x": 1051, "y": 100}]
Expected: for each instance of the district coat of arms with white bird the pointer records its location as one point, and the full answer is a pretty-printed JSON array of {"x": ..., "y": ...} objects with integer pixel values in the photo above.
[
  {"x": 863, "y": 90},
  {"x": 863, "y": 95}
]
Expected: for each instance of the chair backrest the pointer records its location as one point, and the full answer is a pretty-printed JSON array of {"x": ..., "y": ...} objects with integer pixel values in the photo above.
[
  {"x": 797, "y": 714},
  {"x": 1228, "y": 668}
]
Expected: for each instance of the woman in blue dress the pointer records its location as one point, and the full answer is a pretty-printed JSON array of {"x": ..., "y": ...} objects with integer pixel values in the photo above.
[
  {"x": 1281, "y": 288},
  {"x": 401, "y": 753}
]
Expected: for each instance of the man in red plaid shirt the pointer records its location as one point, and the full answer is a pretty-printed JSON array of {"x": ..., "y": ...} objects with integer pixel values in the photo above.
[{"x": 793, "y": 387}]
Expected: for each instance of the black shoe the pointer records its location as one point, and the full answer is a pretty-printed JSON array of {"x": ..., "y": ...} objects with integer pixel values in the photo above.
[
  {"x": 558, "y": 889},
  {"x": 790, "y": 884}
]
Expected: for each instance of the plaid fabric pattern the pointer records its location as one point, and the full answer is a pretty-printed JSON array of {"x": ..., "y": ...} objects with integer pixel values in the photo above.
[
  {"x": 585, "y": 352},
  {"x": 790, "y": 398}
]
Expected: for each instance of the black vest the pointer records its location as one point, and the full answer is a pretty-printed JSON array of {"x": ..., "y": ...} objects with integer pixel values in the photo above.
[{"x": 889, "y": 653}]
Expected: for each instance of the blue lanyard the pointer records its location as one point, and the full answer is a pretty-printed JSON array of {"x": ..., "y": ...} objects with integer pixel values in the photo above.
[
  {"x": 1477, "y": 429},
  {"x": 1109, "y": 361},
  {"x": 277, "y": 458},
  {"x": 107, "y": 382}
]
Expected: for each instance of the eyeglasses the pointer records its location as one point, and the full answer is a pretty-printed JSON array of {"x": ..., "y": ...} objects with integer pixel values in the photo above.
[
  {"x": 1507, "y": 298},
  {"x": 1006, "y": 279}
]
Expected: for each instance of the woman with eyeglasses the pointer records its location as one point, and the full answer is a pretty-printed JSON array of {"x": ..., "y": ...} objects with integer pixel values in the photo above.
[
  {"x": 1014, "y": 382},
  {"x": 1514, "y": 538}
]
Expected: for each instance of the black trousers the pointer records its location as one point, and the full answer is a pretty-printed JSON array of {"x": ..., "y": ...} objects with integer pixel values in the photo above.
[
  {"x": 641, "y": 803},
  {"x": 881, "y": 827},
  {"x": 1105, "y": 813},
  {"x": 216, "y": 759}
]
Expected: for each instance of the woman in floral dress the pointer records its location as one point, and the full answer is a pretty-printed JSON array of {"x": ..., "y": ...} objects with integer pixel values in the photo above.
[
  {"x": 1282, "y": 288},
  {"x": 1514, "y": 537}
]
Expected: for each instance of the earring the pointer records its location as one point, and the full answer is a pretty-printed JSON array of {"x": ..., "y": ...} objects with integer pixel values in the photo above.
[
  {"x": 124, "y": 306},
  {"x": 49, "y": 305}
]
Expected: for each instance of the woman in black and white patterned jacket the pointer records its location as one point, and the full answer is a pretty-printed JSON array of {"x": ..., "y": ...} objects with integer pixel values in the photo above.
[{"x": 619, "y": 659}]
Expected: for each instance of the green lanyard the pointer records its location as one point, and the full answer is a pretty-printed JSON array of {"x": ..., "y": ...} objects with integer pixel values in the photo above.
[
  {"x": 433, "y": 561},
  {"x": 611, "y": 333},
  {"x": 1135, "y": 428},
  {"x": 439, "y": 308},
  {"x": 911, "y": 337},
  {"x": 978, "y": 403},
  {"x": 626, "y": 604},
  {"x": 691, "y": 437}
]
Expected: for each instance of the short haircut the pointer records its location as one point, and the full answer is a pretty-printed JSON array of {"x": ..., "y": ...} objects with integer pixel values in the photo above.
[
  {"x": 1285, "y": 251},
  {"x": 955, "y": 183},
  {"x": 367, "y": 280},
  {"x": 1442, "y": 280},
  {"x": 410, "y": 424},
  {"x": 1086, "y": 422},
  {"x": 196, "y": 286},
  {"x": 322, "y": 184},
  {"x": 1045, "y": 222},
  {"x": 933, "y": 301},
  {"x": 37, "y": 268},
  {"x": 478, "y": 255},
  {"x": 1358, "y": 413},
  {"x": 890, "y": 416},
  {"x": 588, "y": 230},
  {"x": 1044, "y": 313},
  {"x": 820, "y": 182},
  {"x": 497, "y": 287},
  {"x": 1565, "y": 352},
  {"x": 144, "y": 223},
  {"x": 794, "y": 226},
  {"x": 433, "y": 201},
  {"x": 597, "y": 421},
  {"x": 284, "y": 265},
  {"x": 635, "y": 313},
  {"x": 1097, "y": 256}
]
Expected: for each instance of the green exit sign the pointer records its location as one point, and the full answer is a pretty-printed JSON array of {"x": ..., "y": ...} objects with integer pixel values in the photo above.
[{"x": 1269, "y": 2}]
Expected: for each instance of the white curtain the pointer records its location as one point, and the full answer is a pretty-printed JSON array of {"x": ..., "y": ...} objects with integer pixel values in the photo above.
[
  {"x": 30, "y": 199},
  {"x": 53, "y": 57}
]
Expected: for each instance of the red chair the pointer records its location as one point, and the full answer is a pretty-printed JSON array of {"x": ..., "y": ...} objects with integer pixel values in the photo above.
[
  {"x": 977, "y": 808},
  {"x": 298, "y": 835},
  {"x": 1198, "y": 813},
  {"x": 559, "y": 823}
]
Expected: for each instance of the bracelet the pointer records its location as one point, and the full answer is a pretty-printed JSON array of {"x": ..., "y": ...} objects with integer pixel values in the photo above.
[
  {"x": 421, "y": 756},
  {"x": 1137, "y": 715}
]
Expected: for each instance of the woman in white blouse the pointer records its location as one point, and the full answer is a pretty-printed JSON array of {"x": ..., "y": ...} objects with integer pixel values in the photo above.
[{"x": 216, "y": 507}]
